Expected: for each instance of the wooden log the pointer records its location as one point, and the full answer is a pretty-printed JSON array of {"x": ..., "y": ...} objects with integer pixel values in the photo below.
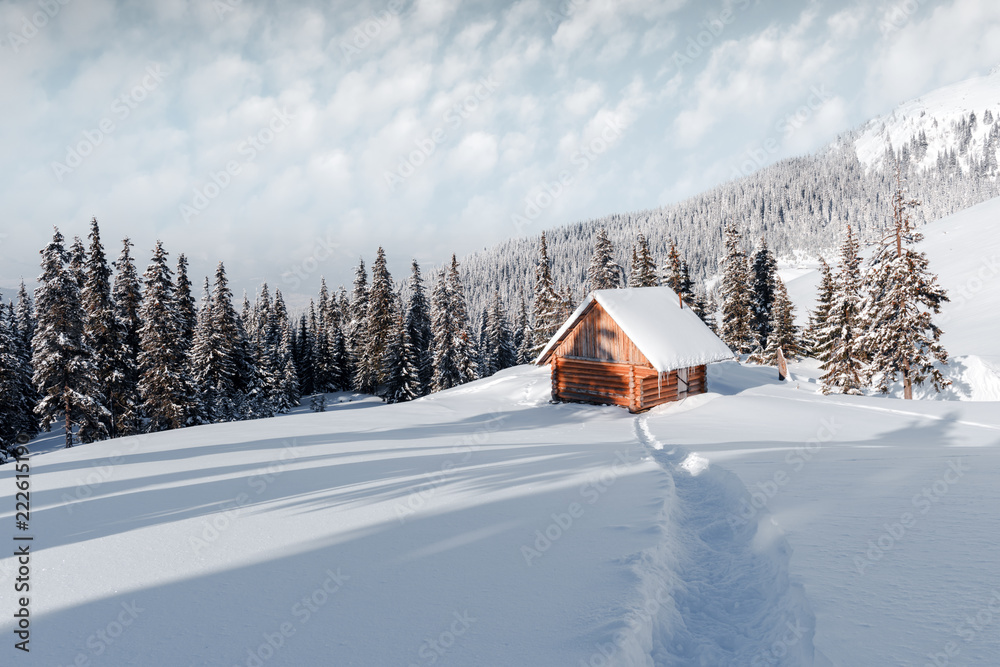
[{"x": 594, "y": 398}]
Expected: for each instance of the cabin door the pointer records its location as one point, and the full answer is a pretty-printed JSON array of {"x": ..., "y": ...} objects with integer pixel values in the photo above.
[{"x": 682, "y": 383}]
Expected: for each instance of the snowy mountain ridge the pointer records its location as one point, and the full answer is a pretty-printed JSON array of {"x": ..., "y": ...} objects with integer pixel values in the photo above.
[
  {"x": 799, "y": 205},
  {"x": 934, "y": 125}
]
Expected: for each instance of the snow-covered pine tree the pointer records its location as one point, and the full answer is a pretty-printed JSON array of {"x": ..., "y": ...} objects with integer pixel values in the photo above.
[
  {"x": 817, "y": 333},
  {"x": 501, "y": 351},
  {"x": 604, "y": 272},
  {"x": 483, "y": 361},
  {"x": 402, "y": 365},
  {"x": 842, "y": 334},
  {"x": 126, "y": 294},
  {"x": 355, "y": 318},
  {"x": 783, "y": 334},
  {"x": 376, "y": 328},
  {"x": 221, "y": 357},
  {"x": 901, "y": 340},
  {"x": 522, "y": 335},
  {"x": 287, "y": 394},
  {"x": 643, "y": 272},
  {"x": 323, "y": 369},
  {"x": 16, "y": 418},
  {"x": 464, "y": 345},
  {"x": 303, "y": 355},
  {"x": 446, "y": 373},
  {"x": 546, "y": 306},
  {"x": 200, "y": 354},
  {"x": 78, "y": 262},
  {"x": 101, "y": 331},
  {"x": 64, "y": 375},
  {"x": 169, "y": 399},
  {"x": 345, "y": 362},
  {"x": 737, "y": 314},
  {"x": 187, "y": 314},
  {"x": 22, "y": 322},
  {"x": 418, "y": 324},
  {"x": 686, "y": 291},
  {"x": 710, "y": 312},
  {"x": 670, "y": 273},
  {"x": 764, "y": 275},
  {"x": 633, "y": 270}
]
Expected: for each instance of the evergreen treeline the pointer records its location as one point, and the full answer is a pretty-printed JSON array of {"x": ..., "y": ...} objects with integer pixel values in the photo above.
[
  {"x": 872, "y": 325},
  {"x": 108, "y": 353}
]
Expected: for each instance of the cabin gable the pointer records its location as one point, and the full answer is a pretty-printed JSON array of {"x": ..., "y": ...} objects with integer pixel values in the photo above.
[{"x": 597, "y": 337}]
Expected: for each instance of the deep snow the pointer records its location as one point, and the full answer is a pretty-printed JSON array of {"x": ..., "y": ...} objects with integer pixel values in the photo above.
[{"x": 762, "y": 523}]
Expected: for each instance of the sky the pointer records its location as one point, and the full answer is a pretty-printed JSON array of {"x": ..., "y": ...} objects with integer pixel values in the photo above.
[{"x": 289, "y": 139}]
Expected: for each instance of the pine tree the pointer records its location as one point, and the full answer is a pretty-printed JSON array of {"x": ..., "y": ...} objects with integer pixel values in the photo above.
[
  {"x": 187, "y": 315},
  {"x": 323, "y": 365},
  {"x": 317, "y": 402},
  {"x": 418, "y": 325},
  {"x": 375, "y": 328},
  {"x": 22, "y": 325},
  {"x": 78, "y": 262},
  {"x": 287, "y": 394},
  {"x": 63, "y": 371},
  {"x": 686, "y": 291},
  {"x": 402, "y": 365},
  {"x": 464, "y": 346},
  {"x": 546, "y": 306},
  {"x": 358, "y": 312},
  {"x": 670, "y": 274},
  {"x": 499, "y": 351},
  {"x": 817, "y": 332},
  {"x": 604, "y": 272},
  {"x": 222, "y": 361},
  {"x": 783, "y": 334},
  {"x": 446, "y": 373},
  {"x": 303, "y": 356},
  {"x": 17, "y": 421},
  {"x": 101, "y": 331},
  {"x": 764, "y": 275},
  {"x": 737, "y": 323},
  {"x": 842, "y": 334},
  {"x": 522, "y": 335},
  {"x": 633, "y": 271},
  {"x": 901, "y": 340},
  {"x": 127, "y": 297},
  {"x": 643, "y": 272},
  {"x": 168, "y": 397}
]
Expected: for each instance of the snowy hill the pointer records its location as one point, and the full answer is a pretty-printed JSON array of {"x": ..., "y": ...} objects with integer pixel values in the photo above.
[
  {"x": 479, "y": 526},
  {"x": 959, "y": 119},
  {"x": 762, "y": 523}
]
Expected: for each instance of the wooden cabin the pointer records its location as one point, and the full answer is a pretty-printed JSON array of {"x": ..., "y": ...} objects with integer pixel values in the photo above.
[{"x": 637, "y": 348}]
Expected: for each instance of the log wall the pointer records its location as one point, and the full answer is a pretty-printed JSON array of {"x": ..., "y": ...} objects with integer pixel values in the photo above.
[{"x": 635, "y": 387}]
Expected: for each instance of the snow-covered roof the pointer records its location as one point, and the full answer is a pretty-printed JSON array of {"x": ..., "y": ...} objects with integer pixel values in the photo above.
[{"x": 671, "y": 337}]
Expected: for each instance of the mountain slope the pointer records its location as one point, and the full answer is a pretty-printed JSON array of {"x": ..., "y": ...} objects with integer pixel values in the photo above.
[{"x": 800, "y": 205}]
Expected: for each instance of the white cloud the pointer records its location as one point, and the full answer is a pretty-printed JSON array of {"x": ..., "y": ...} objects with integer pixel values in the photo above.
[{"x": 585, "y": 95}]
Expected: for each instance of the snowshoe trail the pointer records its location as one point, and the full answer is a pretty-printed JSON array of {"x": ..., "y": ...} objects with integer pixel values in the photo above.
[{"x": 731, "y": 601}]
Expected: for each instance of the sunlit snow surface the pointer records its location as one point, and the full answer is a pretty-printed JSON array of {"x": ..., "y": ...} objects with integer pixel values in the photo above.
[{"x": 762, "y": 523}]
